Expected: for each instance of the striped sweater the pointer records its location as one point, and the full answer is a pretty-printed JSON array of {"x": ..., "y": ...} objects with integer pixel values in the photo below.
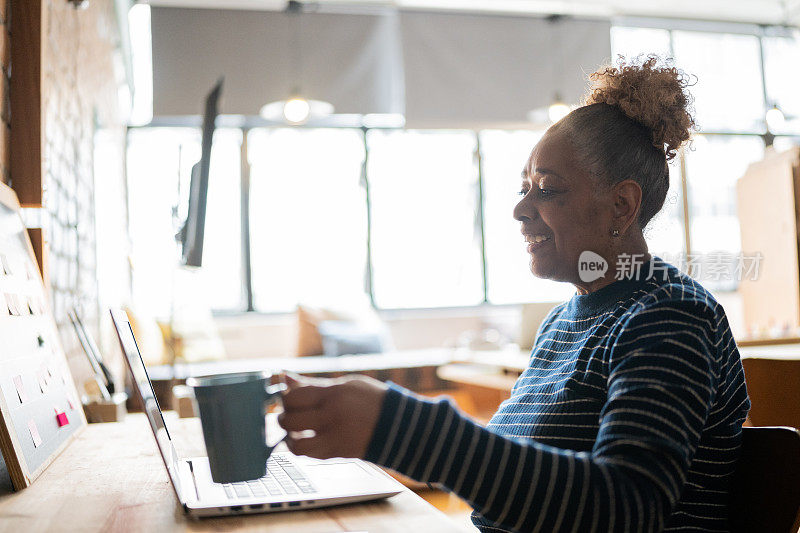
[{"x": 628, "y": 418}]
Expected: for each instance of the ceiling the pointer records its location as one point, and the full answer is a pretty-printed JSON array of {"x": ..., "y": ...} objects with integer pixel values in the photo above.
[{"x": 777, "y": 12}]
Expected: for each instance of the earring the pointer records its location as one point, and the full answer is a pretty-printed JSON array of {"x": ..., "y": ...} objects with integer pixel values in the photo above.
[{"x": 615, "y": 233}]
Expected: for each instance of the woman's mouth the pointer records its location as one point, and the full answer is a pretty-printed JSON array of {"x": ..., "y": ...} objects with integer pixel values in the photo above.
[{"x": 536, "y": 241}]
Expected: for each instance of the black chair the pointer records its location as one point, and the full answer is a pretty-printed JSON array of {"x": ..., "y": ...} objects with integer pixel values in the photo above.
[
  {"x": 772, "y": 385},
  {"x": 765, "y": 494}
]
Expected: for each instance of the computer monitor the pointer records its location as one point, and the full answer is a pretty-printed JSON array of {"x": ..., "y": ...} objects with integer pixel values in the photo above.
[{"x": 191, "y": 234}]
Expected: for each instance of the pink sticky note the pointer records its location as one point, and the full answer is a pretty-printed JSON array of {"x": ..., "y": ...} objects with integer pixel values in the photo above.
[
  {"x": 37, "y": 439},
  {"x": 20, "y": 386},
  {"x": 61, "y": 418}
]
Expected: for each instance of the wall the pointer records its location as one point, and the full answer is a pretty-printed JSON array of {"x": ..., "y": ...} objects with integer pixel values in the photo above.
[{"x": 81, "y": 77}]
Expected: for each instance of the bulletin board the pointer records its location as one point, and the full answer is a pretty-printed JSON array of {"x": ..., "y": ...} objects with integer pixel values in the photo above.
[{"x": 39, "y": 408}]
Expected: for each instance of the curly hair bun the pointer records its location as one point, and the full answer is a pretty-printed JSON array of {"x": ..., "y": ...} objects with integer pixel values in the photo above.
[{"x": 652, "y": 95}]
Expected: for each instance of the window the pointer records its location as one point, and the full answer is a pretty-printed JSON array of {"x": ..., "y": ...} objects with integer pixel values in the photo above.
[
  {"x": 728, "y": 78},
  {"x": 221, "y": 273},
  {"x": 783, "y": 143},
  {"x": 508, "y": 275},
  {"x": 425, "y": 229},
  {"x": 782, "y": 82},
  {"x": 158, "y": 160},
  {"x": 730, "y": 110},
  {"x": 632, "y": 42},
  {"x": 308, "y": 221},
  {"x": 665, "y": 231},
  {"x": 712, "y": 169}
]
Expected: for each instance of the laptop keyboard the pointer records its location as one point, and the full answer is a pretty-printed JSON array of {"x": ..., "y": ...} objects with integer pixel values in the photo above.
[{"x": 283, "y": 478}]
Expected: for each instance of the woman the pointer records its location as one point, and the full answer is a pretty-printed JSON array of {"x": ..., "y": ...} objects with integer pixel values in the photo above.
[{"x": 629, "y": 415}]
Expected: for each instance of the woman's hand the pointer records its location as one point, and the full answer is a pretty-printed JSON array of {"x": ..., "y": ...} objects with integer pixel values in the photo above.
[{"x": 342, "y": 412}]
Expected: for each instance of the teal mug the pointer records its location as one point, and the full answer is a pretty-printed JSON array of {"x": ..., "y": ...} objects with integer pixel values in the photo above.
[{"x": 232, "y": 412}]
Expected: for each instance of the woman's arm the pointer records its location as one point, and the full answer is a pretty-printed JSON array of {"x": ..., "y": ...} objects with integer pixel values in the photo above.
[{"x": 662, "y": 379}]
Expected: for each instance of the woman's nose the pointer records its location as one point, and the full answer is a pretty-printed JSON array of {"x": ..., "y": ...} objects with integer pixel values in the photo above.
[{"x": 525, "y": 210}]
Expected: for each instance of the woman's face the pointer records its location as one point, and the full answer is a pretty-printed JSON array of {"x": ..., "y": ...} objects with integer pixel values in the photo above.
[{"x": 563, "y": 208}]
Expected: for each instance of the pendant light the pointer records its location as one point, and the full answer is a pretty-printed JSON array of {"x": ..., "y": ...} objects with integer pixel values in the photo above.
[
  {"x": 775, "y": 118},
  {"x": 557, "y": 109},
  {"x": 296, "y": 109}
]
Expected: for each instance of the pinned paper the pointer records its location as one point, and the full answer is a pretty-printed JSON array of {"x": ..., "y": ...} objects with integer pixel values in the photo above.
[
  {"x": 20, "y": 386},
  {"x": 61, "y": 418},
  {"x": 37, "y": 439},
  {"x": 4, "y": 310},
  {"x": 71, "y": 401},
  {"x": 4, "y": 264}
]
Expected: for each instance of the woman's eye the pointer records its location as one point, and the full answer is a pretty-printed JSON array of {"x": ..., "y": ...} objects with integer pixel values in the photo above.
[{"x": 543, "y": 193}]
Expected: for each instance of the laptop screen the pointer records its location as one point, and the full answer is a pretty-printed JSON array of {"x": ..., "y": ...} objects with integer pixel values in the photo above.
[{"x": 142, "y": 384}]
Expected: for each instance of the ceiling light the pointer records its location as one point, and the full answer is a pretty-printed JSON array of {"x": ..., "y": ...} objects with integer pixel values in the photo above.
[
  {"x": 775, "y": 118},
  {"x": 557, "y": 110},
  {"x": 296, "y": 110}
]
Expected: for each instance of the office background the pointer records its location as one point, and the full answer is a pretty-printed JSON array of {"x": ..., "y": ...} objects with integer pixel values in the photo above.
[{"x": 432, "y": 247}]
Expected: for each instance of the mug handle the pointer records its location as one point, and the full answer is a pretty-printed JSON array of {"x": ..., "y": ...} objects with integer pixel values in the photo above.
[{"x": 272, "y": 393}]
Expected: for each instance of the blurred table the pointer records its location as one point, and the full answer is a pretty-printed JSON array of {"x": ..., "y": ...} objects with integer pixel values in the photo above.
[{"x": 413, "y": 369}]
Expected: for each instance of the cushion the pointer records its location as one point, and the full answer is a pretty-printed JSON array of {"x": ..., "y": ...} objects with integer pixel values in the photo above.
[
  {"x": 309, "y": 340},
  {"x": 341, "y": 337}
]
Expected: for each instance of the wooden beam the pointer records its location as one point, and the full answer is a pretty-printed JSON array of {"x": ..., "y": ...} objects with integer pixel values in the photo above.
[{"x": 26, "y": 101}]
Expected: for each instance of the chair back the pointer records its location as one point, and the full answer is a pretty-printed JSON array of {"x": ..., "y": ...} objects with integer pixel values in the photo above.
[
  {"x": 772, "y": 385},
  {"x": 765, "y": 492}
]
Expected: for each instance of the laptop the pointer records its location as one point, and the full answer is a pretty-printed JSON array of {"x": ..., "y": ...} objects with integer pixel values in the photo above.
[{"x": 292, "y": 482}]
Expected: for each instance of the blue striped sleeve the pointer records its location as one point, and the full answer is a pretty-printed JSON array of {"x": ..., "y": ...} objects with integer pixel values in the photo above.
[{"x": 661, "y": 382}]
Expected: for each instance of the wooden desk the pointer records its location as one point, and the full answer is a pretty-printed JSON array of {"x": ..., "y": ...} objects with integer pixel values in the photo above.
[{"x": 112, "y": 479}]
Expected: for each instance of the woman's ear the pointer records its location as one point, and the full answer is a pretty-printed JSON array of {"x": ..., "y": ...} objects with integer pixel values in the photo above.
[{"x": 627, "y": 196}]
